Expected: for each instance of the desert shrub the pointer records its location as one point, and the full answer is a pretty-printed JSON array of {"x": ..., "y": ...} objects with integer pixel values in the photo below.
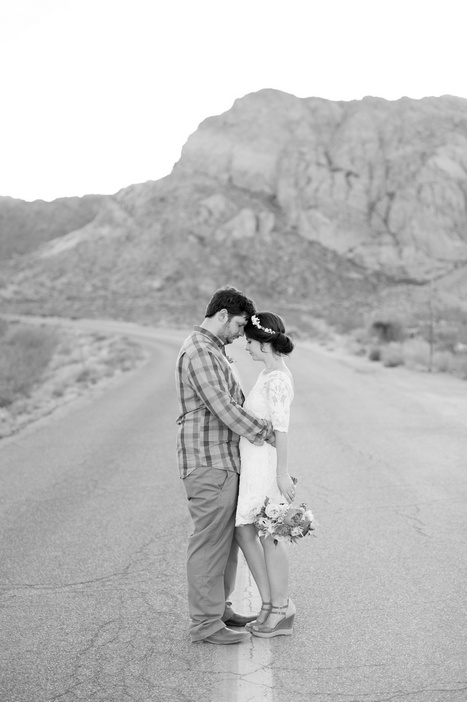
[
  {"x": 417, "y": 353},
  {"x": 361, "y": 335},
  {"x": 443, "y": 361},
  {"x": 354, "y": 347},
  {"x": 387, "y": 330},
  {"x": 392, "y": 355},
  {"x": 446, "y": 338},
  {"x": 25, "y": 353},
  {"x": 374, "y": 353},
  {"x": 88, "y": 375},
  {"x": 446, "y": 326},
  {"x": 99, "y": 336},
  {"x": 459, "y": 367}
]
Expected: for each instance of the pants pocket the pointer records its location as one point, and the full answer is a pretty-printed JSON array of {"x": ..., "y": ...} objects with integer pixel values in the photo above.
[{"x": 219, "y": 477}]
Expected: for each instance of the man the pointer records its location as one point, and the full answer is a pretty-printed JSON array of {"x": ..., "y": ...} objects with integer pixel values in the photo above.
[{"x": 211, "y": 422}]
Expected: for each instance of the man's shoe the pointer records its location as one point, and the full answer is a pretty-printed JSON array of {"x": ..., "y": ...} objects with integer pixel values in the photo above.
[
  {"x": 235, "y": 619},
  {"x": 227, "y": 636}
]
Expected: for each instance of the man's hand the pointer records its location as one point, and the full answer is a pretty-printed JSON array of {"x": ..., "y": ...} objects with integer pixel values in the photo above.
[{"x": 271, "y": 436}]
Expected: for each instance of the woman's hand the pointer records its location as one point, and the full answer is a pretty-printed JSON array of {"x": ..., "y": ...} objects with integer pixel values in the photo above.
[{"x": 286, "y": 486}]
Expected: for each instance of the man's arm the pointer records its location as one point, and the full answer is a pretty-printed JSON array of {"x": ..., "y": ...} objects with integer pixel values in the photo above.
[{"x": 209, "y": 382}]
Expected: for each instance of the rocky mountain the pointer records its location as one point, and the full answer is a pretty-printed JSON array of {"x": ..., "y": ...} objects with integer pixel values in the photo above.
[
  {"x": 383, "y": 183},
  {"x": 313, "y": 206},
  {"x": 26, "y": 225}
]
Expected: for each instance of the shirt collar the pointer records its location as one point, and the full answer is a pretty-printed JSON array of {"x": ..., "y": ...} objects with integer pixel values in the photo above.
[{"x": 212, "y": 337}]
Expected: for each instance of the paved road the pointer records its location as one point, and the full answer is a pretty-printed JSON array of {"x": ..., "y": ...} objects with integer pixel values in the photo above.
[{"x": 93, "y": 525}]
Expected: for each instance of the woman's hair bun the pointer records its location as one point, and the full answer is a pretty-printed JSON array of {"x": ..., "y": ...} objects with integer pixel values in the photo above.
[
  {"x": 269, "y": 327},
  {"x": 282, "y": 344}
]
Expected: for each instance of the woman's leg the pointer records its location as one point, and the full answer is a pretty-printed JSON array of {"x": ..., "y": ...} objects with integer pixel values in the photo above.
[
  {"x": 277, "y": 566},
  {"x": 247, "y": 539}
]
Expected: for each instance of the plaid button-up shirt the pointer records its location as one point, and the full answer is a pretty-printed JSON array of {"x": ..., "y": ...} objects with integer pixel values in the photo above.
[{"x": 210, "y": 398}]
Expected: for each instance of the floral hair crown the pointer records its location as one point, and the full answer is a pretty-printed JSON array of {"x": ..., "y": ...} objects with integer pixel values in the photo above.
[{"x": 256, "y": 323}]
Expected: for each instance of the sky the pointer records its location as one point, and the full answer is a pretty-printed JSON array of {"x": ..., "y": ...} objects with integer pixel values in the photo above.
[{"x": 99, "y": 94}]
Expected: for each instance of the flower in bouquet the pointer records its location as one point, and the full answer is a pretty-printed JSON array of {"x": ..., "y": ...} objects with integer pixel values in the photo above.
[
  {"x": 283, "y": 521},
  {"x": 274, "y": 511}
]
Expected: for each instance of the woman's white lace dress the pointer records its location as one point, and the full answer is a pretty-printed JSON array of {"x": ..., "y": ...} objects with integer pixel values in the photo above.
[{"x": 269, "y": 398}]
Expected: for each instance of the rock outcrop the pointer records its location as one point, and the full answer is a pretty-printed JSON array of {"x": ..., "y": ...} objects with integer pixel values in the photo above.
[
  {"x": 312, "y": 206},
  {"x": 384, "y": 183}
]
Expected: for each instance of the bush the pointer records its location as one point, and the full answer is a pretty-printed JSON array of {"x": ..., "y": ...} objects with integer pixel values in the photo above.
[
  {"x": 387, "y": 330},
  {"x": 417, "y": 353},
  {"x": 88, "y": 375},
  {"x": 361, "y": 335},
  {"x": 460, "y": 366},
  {"x": 392, "y": 355},
  {"x": 443, "y": 361},
  {"x": 25, "y": 353},
  {"x": 406, "y": 341}
]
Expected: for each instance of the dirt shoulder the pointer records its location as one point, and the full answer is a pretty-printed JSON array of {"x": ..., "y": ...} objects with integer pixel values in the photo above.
[{"x": 82, "y": 362}]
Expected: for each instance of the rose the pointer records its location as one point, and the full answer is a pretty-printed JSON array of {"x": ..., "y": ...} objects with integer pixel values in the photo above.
[
  {"x": 293, "y": 515},
  {"x": 282, "y": 530},
  {"x": 255, "y": 506},
  {"x": 274, "y": 511}
]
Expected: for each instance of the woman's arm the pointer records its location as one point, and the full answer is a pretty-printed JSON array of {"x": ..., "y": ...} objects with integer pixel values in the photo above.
[{"x": 284, "y": 481}]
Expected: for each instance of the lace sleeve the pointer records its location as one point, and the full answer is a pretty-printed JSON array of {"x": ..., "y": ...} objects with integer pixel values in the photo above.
[{"x": 279, "y": 394}]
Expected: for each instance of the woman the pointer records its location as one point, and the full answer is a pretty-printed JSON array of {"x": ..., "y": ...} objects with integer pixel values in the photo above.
[{"x": 264, "y": 472}]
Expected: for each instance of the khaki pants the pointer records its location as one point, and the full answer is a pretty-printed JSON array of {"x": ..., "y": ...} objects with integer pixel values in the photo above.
[{"x": 212, "y": 552}]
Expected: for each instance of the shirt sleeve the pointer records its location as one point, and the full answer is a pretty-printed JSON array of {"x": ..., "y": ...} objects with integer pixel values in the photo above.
[
  {"x": 209, "y": 381},
  {"x": 279, "y": 399}
]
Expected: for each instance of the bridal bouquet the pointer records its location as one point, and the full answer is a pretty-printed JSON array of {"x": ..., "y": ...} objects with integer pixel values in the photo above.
[{"x": 283, "y": 521}]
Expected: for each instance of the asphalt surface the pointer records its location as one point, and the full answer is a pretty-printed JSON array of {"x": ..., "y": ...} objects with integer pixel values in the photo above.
[{"x": 93, "y": 527}]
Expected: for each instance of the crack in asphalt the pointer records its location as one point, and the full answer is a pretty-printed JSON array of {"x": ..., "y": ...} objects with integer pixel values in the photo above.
[
  {"x": 118, "y": 657},
  {"x": 19, "y": 587},
  {"x": 128, "y": 655},
  {"x": 129, "y": 570},
  {"x": 418, "y": 525}
]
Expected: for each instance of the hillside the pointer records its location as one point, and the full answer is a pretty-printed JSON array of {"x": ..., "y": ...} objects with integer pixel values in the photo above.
[
  {"x": 26, "y": 225},
  {"x": 313, "y": 206}
]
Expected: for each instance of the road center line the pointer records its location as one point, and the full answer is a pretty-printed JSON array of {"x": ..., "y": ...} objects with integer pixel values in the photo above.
[{"x": 245, "y": 673}]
